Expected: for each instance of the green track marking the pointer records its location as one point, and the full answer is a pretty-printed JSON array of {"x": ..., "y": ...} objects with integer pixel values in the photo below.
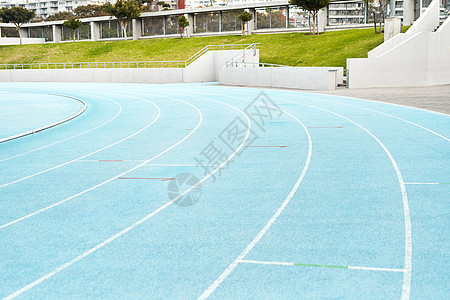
[{"x": 320, "y": 266}]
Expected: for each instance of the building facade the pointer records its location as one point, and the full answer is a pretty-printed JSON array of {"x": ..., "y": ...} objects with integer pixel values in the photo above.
[
  {"x": 274, "y": 16},
  {"x": 45, "y": 8},
  {"x": 359, "y": 12}
]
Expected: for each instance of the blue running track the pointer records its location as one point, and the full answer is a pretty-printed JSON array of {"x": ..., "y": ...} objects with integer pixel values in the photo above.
[{"x": 199, "y": 190}]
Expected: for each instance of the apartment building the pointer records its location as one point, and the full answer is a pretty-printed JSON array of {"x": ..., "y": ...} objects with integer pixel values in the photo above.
[{"x": 45, "y": 8}]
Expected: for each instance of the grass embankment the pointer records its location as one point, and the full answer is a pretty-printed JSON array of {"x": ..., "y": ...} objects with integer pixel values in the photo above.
[{"x": 293, "y": 49}]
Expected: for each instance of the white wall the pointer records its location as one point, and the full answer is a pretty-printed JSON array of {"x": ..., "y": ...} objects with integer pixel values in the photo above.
[
  {"x": 420, "y": 57},
  {"x": 428, "y": 21},
  {"x": 205, "y": 68},
  {"x": 308, "y": 78},
  {"x": 422, "y": 60},
  {"x": 25, "y": 41},
  {"x": 124, "y": 75},
  {"x": 439, "y": 58}
]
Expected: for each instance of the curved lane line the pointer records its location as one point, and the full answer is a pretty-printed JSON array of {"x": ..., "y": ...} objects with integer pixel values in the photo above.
[
  {"x": 386, "y": 114},
  {"x": 109, "y": 180},
  {"x": 79, "y": 112},
  {"x": 307, "y": 95},
  {"x": 89, "y": 154},
  {"x": 272, "y": 220},
  {"x": 69, "y": 138},
  {"x": 119, "y": 234},
  {"x": 406, "y": 286},
  {"x": 383, "y": 102}
]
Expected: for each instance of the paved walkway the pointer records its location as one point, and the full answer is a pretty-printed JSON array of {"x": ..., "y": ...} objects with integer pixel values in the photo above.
[{"x": 435, "y": 98}]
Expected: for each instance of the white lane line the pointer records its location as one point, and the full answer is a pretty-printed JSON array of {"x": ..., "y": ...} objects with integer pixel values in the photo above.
[
  {"x": 69, "y": 138},
  {"x": 111, "y": 179},
  {"x": 111, "y": 239},
  {"x": 306, "y": 95},
  {"x": 121, "y": 160},
  {"x": 272, "y": 220},
  {"x": 175, "y": 165},
  {"x": 382, "y": 113},
  {"x": 258, "y": 262},
  {"x": 319, "y": 266},
  {"x": 422, "y": 183},
  {"x": 406, "y": 286},
  {"x": 79, "y": 112},
  {"x": 89, "y": 154},
  {"x": 384, "y": 103},
  {"x": 81, "y": 193},
  {"x": 377, "y": 269}
]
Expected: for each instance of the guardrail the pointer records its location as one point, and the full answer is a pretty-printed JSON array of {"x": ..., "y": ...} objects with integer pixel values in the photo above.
[
  {"x": 135, "y": 64},
  {"x": 253, "y": 64},
  {"x": 241, "y": 56},
  {"x": 94, "y": 65}
]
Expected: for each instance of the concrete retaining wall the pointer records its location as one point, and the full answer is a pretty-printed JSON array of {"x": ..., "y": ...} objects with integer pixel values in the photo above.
[
  {"x": 308, "y": 78},
  {"x": 428, "y": 21},
  {"x": 416, "y": 58},
  {"x": 16, "y": 41},
  {"x": 421, "y": 60},
  {"x": 205, "y": 68}
]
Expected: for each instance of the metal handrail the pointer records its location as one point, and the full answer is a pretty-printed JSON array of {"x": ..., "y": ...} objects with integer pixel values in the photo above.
[
  {"x": 264, "y": 65},
  {"x": 135, "y": 64},
  {"x": 242, "y": 54},
  {"x": 239, "y": 59}
]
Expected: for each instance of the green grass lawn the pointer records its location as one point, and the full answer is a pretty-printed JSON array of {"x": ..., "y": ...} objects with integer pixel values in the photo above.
[{"x": 293, "y": 49}]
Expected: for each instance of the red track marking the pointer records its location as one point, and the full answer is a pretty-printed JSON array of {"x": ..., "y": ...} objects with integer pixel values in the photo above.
[
  {"x": 266, "y": 146},
  {"x": 162, "y": 179},
  {"x": 327, "y": 127},
  {"x": 111, "y": 160},
  {"x": 188, "y": 129}
]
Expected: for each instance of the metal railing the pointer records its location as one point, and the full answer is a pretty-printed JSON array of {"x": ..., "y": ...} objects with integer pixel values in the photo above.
[
  {"x": 254, "y": 64},
  {"x": 94, "y": 65},
  {"x": 241, "y": 56},
  {"x": 135, "y": 64}
]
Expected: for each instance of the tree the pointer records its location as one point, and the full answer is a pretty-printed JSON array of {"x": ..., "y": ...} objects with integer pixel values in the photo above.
[
  {"x": 16, "y": 15},
  {"x": 37, "y": 19},
  {"x": 245, "y": 17},
  {"x": 312, "y": 6},
  {"x": 378, "y": 7},
  {"x": 62, "y": 15},
  {"x": 124, "y": 11},
  {"x": 73, "y": 24},
  {"x": 163, "y": 4},
  {"x": 89, "y": 11},
  {"x": 182, "y": 23}
]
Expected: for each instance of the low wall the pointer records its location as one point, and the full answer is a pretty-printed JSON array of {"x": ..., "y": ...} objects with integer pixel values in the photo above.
[
  {"x": 204, "y": 69},
  {"x": 428, "y": 21},
  {"x": 123, "y": 75},
  {"x": 16, "y": 41},
  {"x": 308, "y": 78},
  {"x": 421, "y": 60},
  {"x": 419, "y": 57}
]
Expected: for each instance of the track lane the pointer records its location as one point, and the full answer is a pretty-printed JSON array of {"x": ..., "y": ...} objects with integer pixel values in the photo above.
[
  {"x": 419, "y": 147},
  {"x": 146, "y": 243},
  {"x": 67, "y": 138}
]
